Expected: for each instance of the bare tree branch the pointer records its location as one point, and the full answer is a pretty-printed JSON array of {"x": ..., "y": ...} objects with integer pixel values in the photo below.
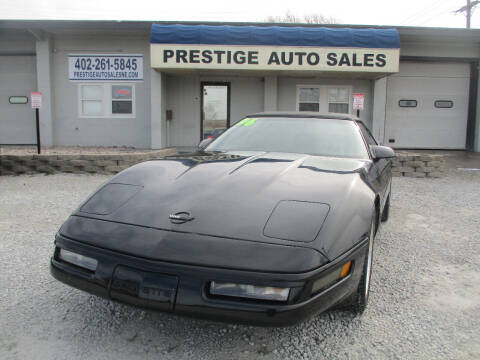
[{"x": 313, "y": 18}]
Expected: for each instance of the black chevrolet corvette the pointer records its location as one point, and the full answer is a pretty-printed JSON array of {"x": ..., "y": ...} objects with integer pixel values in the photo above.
[{"x": 270, "y": 223}]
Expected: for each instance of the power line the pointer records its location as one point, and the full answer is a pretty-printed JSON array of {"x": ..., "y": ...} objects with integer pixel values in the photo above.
[
  {"x": 413, "y": 17},
  {"x": 439, "y": 11}
]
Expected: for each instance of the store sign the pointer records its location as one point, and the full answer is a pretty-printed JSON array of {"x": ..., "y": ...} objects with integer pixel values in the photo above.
[
  {"x": 105, "y": 67},
  {"x": 358, "y": 101},
  {"x": 240, "y": 57},
  {"x": 36, "y": 99}
]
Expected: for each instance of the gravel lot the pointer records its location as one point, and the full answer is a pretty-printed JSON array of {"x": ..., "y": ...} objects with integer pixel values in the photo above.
[{"x": 425, "y": 299}]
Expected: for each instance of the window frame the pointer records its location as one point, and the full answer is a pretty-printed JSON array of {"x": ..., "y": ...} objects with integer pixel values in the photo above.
[
  {"x": 307, "y": 86},
  {"x": 81, "y": 100},
  {"x": 106, "y": 101},
  {"x": 349, "y": 100},
  {"x": 322, "y": 90},
  {"x": 408, "y": 107},
  {"x": 366, "y": 133},
  {"x": 17, "y": 97},
  {"x": 443, "y": 107}
]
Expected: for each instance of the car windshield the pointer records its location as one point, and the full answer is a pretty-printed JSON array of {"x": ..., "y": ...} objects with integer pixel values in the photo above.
[{"x": 313, "y": 136}]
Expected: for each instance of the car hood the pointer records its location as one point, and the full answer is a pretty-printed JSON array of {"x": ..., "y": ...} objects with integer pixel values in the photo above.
[{"x": 233, "y": 195}]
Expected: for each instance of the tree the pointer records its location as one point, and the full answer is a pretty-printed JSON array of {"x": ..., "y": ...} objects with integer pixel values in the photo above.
[{"x": 313, "y": 18}]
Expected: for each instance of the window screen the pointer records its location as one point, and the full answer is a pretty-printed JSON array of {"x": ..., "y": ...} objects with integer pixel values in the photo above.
[
  {"x": 91, "y": 100},
  {"x": 338, "y": 100},
  {"x": 407, "y": 103},
  {"x": 309, "y": 99},
  {"x": 443, "y": 104}
]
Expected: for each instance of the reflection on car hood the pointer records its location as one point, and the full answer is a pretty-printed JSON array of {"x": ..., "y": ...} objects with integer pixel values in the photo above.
[{"x": 229, "y": 195}]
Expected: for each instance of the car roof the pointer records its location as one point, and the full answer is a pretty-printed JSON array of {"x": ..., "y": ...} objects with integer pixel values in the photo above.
[{"x": 305, "y": 114}]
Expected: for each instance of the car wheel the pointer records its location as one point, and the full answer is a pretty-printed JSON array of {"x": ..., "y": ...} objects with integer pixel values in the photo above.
[
  {"x": 358, "y": 301},
  {"x": 386, "y": 209}
]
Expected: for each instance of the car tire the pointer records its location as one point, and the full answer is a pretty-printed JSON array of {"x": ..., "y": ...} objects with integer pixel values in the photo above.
[
  {"x": 357, "y": 303},
  {"x": 386, "y": 209}
]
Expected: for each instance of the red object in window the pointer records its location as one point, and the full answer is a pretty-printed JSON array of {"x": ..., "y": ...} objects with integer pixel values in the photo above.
[
  {"x": 209, "y": 137},
  {"x": 123, "y": 92}
]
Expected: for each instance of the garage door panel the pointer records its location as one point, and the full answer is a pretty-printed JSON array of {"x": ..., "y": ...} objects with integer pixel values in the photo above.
[
  {"x": 17, "y": 78},
  {"x": 433, "y": 69},
  {"x": 426, "y": 126}
]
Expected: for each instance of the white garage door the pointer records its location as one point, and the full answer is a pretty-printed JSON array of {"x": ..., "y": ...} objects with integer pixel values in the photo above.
[
  {"x": 17, "y": 78},
  {"x": 427, "y": 106}
]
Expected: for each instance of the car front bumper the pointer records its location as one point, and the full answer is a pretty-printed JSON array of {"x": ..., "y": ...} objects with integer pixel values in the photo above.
[{"x": 184, "y": 289}]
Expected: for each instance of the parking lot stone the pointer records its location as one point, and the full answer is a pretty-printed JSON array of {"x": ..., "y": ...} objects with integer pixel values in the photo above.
[{"x": 425, "y": 294}]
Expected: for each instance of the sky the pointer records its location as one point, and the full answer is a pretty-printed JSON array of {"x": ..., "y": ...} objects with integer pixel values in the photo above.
[{"x": 434, "y": 13}]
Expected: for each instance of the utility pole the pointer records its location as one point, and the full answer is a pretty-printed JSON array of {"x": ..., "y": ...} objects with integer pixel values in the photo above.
[
  {"x": 468, "y": 9},
  {"x": 469, "y": 13}
]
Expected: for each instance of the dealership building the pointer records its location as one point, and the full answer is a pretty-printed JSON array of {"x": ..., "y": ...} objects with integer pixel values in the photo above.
[{"x": 153, "y": 85}]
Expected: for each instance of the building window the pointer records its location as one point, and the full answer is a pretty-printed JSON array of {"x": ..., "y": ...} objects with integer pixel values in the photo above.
[
  {"x": 444, "y": 104},
  {"x": 407, "y": 103},
  {"x": 339, "y": 100},
  {"x": 91, "y": 100},
  {"x": 309, "y": 99},
  {"x": 122, "y": 100},
  {"x": 107, "y": 100},
  {"x": 18, "y": 100}
]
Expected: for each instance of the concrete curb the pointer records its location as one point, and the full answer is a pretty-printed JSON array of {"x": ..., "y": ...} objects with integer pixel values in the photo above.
[{"x": 77, "y": 164}]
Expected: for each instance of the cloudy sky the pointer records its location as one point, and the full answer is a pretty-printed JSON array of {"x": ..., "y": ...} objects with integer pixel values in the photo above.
[{"x": 372, "y": 12}]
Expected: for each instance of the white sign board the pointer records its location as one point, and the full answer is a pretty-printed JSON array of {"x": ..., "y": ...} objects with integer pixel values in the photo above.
[
  {"x": 36, "y": 99},
  {"x": 105, "y": 67},
  {"x": 265, "y": 58},
  {"x": 358, "y": 101}
]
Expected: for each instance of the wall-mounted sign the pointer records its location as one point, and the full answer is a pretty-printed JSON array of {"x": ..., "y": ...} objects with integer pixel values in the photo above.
[
  {"x": 36, "y": 99},
  {"x": 358, "y": 101},
  {"x": 240, "y": 57},
  {"x": 105, "y": 67}
]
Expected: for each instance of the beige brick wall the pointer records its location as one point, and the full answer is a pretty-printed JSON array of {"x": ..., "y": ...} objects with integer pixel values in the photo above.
[
  {"x": 50, "y": 164},
  {"x": 404, "y": 164},
  {"x": 418, "y": 165}
]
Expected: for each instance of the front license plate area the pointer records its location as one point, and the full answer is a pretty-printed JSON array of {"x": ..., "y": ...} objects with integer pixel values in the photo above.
[{"x": 142, "y": 288}]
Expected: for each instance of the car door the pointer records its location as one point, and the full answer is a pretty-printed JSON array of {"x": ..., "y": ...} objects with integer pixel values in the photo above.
[{"x": 382, "y": 168}]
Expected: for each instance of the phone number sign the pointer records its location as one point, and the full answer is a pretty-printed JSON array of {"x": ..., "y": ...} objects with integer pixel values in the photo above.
[{"x": 105, "y": 67}]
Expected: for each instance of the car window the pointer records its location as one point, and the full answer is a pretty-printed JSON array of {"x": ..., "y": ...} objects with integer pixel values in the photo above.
[
  {"x": 327, "y": 137},
  {"x": 367, "y": 134}
]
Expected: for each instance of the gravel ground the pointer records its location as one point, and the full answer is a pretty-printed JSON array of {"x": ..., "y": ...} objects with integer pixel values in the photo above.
[{"x": 425, "y": 296}]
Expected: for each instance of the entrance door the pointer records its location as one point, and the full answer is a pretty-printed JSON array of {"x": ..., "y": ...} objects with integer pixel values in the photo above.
[{"x": 215, "y": 109}]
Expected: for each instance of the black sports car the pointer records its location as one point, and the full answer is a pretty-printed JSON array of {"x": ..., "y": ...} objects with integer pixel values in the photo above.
[{"x": 271, "y": 222}]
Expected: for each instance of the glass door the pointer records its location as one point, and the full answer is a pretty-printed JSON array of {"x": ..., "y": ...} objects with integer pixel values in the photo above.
[{"x": 215, "y": 109}]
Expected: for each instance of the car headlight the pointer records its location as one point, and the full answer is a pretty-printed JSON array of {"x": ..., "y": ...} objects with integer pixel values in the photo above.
[
  {"x": 249, "y": 291},
  {"x": 331, "y": 278},
  {"x": 78, "y": 260}
]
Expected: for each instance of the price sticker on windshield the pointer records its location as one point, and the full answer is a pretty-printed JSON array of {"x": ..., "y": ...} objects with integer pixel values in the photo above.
[{"x": 247, "y": 122}]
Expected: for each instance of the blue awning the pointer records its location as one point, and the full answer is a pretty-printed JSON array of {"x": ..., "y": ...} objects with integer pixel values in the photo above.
[{"x": 274, "y": 36}]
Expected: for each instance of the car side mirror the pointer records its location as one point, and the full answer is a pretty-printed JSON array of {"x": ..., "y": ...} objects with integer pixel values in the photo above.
[
  {"x": 204, "y": 143},
  {"x": 382, "y": 152}
]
